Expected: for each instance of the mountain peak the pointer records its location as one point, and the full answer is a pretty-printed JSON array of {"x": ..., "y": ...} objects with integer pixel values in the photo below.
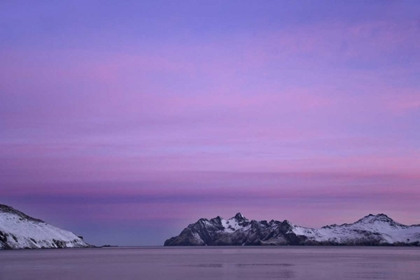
[
  {"x": 239, "y": 216},
  {"x": 371, "y": 218}
]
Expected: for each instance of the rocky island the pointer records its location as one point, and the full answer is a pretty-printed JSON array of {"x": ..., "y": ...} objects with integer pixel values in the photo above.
[{"x": 239, "y": 231}]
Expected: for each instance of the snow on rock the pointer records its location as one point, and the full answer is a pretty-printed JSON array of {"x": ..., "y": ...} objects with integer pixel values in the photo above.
[
  {"x": 232, "y": 224},
  {"x": 20, "y": 231},
  {"x": 370, "y": 230}
]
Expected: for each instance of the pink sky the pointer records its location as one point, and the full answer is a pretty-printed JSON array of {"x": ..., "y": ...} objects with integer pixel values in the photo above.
[{"x": 141, "y": 113}]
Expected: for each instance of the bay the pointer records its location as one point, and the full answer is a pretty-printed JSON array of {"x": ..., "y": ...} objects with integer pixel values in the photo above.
[{"x": 213, "y": 263}]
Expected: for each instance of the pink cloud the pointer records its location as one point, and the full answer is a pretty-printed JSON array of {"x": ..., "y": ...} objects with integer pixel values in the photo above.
[
  {"x": 210, "y": 107},
  {"x": 404, "y": 102}
]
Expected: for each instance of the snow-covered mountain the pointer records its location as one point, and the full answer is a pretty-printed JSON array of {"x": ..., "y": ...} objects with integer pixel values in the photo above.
[
  {"x": 370, "y": 230},
  {"x": 19, "y": 231}
]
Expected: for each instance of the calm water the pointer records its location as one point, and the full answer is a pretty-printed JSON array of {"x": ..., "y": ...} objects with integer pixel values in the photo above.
[{"x": 213, "y": 263}]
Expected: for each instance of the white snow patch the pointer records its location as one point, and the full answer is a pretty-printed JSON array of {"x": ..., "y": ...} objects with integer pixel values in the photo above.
[{"x": 231, "y": 225}]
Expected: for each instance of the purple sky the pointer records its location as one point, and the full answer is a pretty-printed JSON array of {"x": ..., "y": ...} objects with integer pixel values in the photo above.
[{"x": 125, "y": 121}]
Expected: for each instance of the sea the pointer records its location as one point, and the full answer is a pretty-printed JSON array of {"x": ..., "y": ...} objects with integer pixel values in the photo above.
[{"x": 303, "y": 263}]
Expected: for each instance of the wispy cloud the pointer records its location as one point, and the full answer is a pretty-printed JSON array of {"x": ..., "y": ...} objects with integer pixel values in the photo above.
[{"x": 170, "y": 115}]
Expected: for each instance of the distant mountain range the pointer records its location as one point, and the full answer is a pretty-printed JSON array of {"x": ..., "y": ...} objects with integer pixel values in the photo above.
[
  {"x": 239, "y": 231},
  {"x": 20, "y": 231}
]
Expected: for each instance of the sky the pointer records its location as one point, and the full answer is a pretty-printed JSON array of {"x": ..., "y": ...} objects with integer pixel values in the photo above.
[{"x": 126, "y": 121}]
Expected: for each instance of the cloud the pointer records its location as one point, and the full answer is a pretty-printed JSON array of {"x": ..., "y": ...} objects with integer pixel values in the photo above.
[
  {"x": 179, "y": 198},
  {"x": 404, "y": 102},
  {"x": 122, "y": 116}
]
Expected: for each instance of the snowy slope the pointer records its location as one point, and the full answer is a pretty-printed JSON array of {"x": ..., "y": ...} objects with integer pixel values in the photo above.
[
  {"x": 370, "y": 230},
  {"x": 19, "y": 231},
  {"x": 378, "y": 228}
]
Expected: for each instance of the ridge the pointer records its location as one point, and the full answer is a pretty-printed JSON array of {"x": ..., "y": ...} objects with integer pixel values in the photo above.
[{"x": 372, "y": 229}]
